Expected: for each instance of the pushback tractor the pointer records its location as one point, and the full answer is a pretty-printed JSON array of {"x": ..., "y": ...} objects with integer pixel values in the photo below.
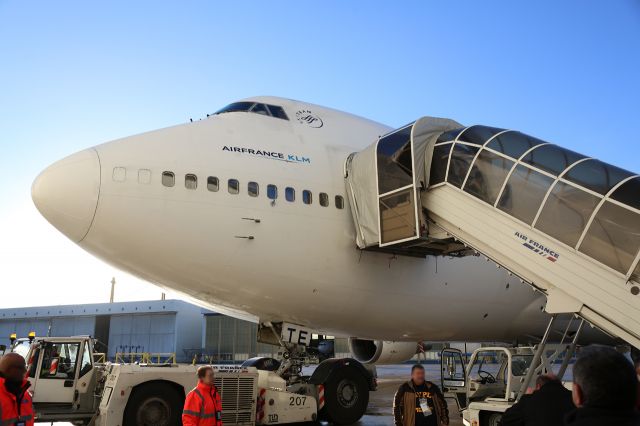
[{"x": 71, "y": 382}]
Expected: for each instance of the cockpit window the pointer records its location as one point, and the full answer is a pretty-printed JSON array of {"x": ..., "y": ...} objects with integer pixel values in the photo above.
[
  {"x": 259, "y": 109},
  {"x": 278, "y": 112},
  {"x": 255, "y": 107},
  {"x": 236, "y": 106}
]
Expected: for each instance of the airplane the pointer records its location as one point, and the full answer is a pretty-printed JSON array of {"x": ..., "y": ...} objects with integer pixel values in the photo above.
[{"x": 246, "y": 212}]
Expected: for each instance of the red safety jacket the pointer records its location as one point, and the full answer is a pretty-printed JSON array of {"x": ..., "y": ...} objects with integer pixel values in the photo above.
[
  {"x": 12, "y": 411},
  {"x": 202, "y": 407}
]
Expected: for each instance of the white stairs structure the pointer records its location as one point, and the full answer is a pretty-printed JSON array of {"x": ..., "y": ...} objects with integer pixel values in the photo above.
[{"x": 566, "y": 224}]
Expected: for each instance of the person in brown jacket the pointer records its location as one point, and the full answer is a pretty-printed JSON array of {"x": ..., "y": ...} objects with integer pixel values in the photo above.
[{"x": 419, "y": 402}]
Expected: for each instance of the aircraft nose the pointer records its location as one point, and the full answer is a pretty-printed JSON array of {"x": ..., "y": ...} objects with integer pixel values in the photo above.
[{"x": 66, "y": 193}]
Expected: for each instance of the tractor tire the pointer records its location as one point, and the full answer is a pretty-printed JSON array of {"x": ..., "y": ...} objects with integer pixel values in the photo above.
[
  {"x": 154, "y": 404},
  {"x": 346, "y": 396}
]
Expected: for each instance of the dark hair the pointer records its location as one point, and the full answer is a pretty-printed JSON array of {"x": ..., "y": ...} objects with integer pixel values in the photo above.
[
  {"x": 606, "y": 377},
  {"x": 417, "y": 367},
  {"x": 202, "y": 371},
  {"x": 543, "y": 379}
]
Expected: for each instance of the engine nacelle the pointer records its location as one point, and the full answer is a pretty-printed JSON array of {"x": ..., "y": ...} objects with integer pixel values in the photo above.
[{"x": 381, "y": 352}]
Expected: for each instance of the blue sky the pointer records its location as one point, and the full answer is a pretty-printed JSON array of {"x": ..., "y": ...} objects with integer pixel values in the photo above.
[{"x": 74, "y": 74}]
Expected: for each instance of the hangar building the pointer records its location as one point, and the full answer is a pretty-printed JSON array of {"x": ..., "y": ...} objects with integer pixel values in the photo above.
[{"x": 158, "y": 326}]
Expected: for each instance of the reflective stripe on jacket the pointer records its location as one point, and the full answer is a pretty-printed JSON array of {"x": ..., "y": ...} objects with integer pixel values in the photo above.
[
  {"x": 202, "y": 407},
  {"x": 14, "y": 410}
]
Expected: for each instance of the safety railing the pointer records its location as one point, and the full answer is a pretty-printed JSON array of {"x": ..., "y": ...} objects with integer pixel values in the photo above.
[{"x": 158, "y": 358}]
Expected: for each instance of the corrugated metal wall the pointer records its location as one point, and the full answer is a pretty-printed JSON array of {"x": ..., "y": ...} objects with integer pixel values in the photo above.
[
  {"x": 230, "y": 339},
  {"x": 142, "y": 333},
  {"x": 73, "y": 326},
  {"x": 63, "y": 326}
]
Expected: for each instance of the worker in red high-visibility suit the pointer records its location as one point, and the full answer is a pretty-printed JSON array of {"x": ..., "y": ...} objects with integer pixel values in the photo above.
[
  {"x": 202, "y": 406},
  {"x": 16, "y": 407}
]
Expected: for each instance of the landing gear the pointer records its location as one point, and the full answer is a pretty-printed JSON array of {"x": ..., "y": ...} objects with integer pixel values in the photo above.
[{"x": 341, "y": 386}]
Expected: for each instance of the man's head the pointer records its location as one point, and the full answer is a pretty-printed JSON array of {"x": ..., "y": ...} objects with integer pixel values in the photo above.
[
  {"x": 13, "y": 367},
  {"x": 417, "y": 374},
  {"x": 604, "y": 378},
  {"x": 205, "y": 375},
  {"x": 543, "y": 379}
]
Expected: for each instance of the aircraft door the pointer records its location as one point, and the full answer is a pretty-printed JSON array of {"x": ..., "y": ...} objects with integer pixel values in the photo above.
[
  {"x": 453, "y": 378},
  {"x": 56, "y": 371},
  {"x": 397, "y": 206}
]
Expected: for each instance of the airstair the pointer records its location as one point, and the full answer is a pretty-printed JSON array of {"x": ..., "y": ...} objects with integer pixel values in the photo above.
[{"x": 566, "y": 224}]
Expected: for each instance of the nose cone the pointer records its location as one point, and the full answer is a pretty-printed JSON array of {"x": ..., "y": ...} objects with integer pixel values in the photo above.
[{"x": 66, "y": 193}]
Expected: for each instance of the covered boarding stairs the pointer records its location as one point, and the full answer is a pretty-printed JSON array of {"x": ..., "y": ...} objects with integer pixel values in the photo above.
[{"x": 567, "y": 224}]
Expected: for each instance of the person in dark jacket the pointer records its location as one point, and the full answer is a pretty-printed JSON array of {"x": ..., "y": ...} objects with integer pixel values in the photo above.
[
  {"x": 546, "y": 406},
  {"x": 604, "y": 389},
  {"x": 419, "y": 402}
]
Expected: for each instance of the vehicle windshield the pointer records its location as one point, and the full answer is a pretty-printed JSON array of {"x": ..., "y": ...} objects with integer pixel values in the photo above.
[
  {"x": 520, "y": 364},
  {"x": 21, "y": 347}
]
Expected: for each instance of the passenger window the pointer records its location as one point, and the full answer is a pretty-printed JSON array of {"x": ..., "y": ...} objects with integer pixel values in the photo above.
[
  {"x": 524, "y": 193},
  {"x": 307, "y": 198},
  {"x": 461, "y": 159},
  {"x": 119, "y": 174},
  {"x": 253, "y": 189},
  {"x": 213, "y": 184},
  {"x": 628, "y": 193},
  {"x": 596, "y": 175},
  {"x": 439, "y": 163},
  {"x": 613, "y": 237},
  {"x": 272, "y": 192},
  {"x": 234, "y": 186},
  {"x": 168, "y": 179},
  {"x": 190, "y": 181},
  {"x": 339, "y": 202},
  {"x": 324, "y": 199},
  {"x": 144, "y": 176},
  {"x": 566, "y": 212},
  {"x": 552, "y": 158},
  {"x": 487, "y": 176},
  {"x": 513, "y": 144},
  {"x": 478, "y": 134},
  {"x": 290, "y": 194}
]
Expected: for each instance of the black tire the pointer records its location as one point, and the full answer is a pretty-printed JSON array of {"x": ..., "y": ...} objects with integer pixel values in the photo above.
[
  {"x": 493, "y": 419},
  {"x": 346, "y": 396},
  {"x": 154, "y": 404}
]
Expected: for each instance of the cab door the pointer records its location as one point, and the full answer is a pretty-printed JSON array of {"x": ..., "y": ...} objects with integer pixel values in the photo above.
[
  {"x": 56, "y": 375},
  {"x": 453, "y": 376}
]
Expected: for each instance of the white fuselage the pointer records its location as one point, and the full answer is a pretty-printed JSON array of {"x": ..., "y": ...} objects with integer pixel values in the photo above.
[{"x": 281, "y": 260}]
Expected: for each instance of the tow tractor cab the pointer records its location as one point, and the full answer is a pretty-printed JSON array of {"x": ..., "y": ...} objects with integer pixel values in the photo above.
[
  {"x": 495, "y": 378},
  {"x": 72, "y": 382}
]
